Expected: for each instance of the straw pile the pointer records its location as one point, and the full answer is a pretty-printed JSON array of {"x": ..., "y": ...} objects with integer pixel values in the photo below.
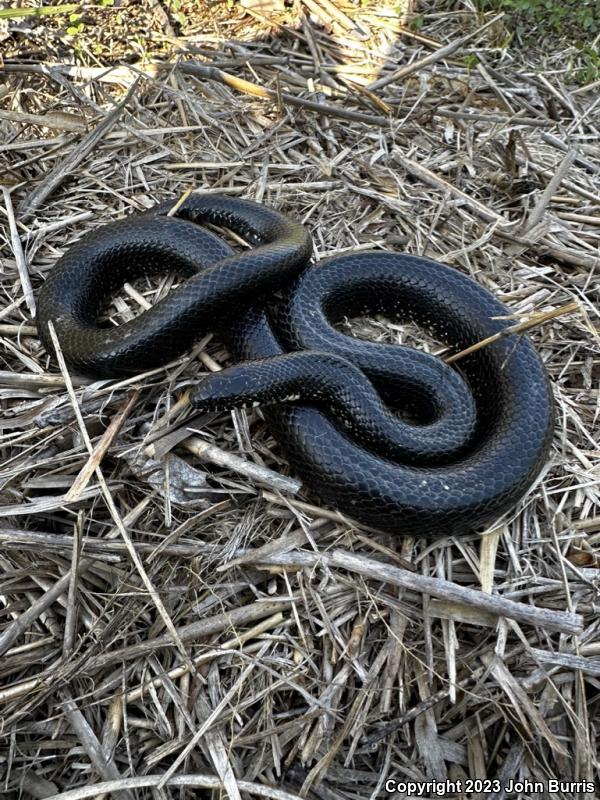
[{"x": 176, "y": 612}]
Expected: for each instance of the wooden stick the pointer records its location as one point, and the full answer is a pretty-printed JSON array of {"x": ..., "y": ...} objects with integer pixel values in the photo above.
[
  {"x": 227, "y": 620},
  {"x": 555, "y": 181},
  {"x": 36, "y": 609},
  {"x": 438, "y": 55},
  {"x": 192, "y": 781},
  {"x": 109, "y": 500},
  {"x": 262, "y": 475},
  {"x": 212, "y": 73},
  {"x": 19, "y": 254},
  {"x": 52, "y": 119},
  {"x": 427, "y": 176},
  {"x": 54, "y": 178},
  {"x": 436, "y": 587},
  {"x": 99, "y": 451},
  {"x": 521, "y": 327},
  {"x": 235, "y": 643}
]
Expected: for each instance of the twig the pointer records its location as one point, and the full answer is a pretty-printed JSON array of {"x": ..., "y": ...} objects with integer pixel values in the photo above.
[
  {"x": 65, "y": 122},
  {"x": 29, "y": 381},
  {"x": 578, "y": 258},
  {"x": 232, "y": 619},
  {"x": 111, "y": 504},
  {"x": 71, "y": 618},
  {"x": 53, "y": 180},
  {"x": 443, "y": 52},
  {"x": 262, "y": 475},
  {"x": 253, "y": 89},
  {"x": 436, "y": 587},
  {"x": 429, "y": 177},
  {"x": 568, "y": 661},
  {"x": 520, "y": 327},
  {"x": 104, "y": 766},
  {"x": 230, "y": 645},
  {"x": 193, "y": 781},
  {"x": 18, "y": 330},
  {"x": 35, "y": 610},
  {"x": 19, "y": 254},
  {"x": 103, "y": 549},
  {"x": 99, "y": 451},
  {"x": 472, "y": 116},
  {"x": 555, "y": 181}
]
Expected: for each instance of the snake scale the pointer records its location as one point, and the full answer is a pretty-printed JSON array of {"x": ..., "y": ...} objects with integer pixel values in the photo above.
[{"x": 391, "y": 436}]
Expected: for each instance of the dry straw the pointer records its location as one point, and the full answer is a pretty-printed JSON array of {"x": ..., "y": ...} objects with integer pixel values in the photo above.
[{"x": 177, "y": 615}]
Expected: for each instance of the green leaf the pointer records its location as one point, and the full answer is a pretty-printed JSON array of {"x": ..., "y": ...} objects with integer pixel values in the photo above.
[{"x": 44, "y": 11}]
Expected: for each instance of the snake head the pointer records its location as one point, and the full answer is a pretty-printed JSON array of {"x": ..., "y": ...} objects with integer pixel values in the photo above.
[
  {"x": 281, "y": 379},
  {"x": 222, "y": 391}
]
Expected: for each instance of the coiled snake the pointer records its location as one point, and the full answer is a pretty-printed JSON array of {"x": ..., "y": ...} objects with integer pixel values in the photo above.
[{"x": 391, "y": 436}]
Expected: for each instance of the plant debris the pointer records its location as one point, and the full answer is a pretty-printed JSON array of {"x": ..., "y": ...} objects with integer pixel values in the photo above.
[{"x": 179, "y": 619}]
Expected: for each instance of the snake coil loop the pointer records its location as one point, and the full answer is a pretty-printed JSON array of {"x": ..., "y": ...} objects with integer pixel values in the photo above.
[{"x": 391, "y": 436}]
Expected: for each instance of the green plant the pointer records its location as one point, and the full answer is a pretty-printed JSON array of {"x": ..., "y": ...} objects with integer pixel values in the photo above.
[
  {"x": 587, "y": 70},
  {"x": 76, "y": 25},
  {"x": 470, "y": 61},
  {"x": 555, "y": 23},
  {"x": 176, "y": 8},
  {"x": 43, "y": 11},
  {"x": 415, "y": 21},
  {"x": 575, "y": 19}
]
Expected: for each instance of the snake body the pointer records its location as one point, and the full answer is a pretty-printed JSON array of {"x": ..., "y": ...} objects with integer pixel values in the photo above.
[{"x": 391, "y": 436}]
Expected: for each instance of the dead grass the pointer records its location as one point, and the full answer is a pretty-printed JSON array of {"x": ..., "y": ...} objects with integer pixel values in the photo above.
[{"x": 177, "y": 613}]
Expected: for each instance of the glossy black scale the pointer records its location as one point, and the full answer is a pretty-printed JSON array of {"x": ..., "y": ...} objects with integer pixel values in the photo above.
[{"x": 389, "y": 435}]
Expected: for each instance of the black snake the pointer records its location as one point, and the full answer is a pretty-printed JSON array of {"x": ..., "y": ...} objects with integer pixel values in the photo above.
[{"x": 391, "y": 436}]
